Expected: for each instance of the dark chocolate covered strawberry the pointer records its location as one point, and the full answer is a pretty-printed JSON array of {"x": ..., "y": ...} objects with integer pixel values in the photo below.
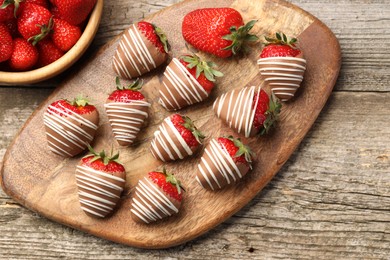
[
  {"x": 158, "y": 195},
  {"x": 142, "y": 48},
  {"x": 127, "y": 110},
  {"x": 282, "y": 65},
  {"x": 70, "y": 126},
  {"x": 100, "y": 181},
  {"x": 176, "y": 138},
  {"x": 224, "y": 161}
]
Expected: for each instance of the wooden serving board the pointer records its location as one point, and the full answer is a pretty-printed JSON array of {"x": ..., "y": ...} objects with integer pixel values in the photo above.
[{"x": 46, "y": 183}]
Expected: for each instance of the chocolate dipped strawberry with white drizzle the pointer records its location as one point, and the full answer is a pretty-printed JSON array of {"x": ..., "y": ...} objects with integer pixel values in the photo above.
[
  {"x": 224, "y": 161},
  {"x": 127, "y": 110},
  {"x": 282, "y": 65},
  {"x": 142, "y": 48},
  {"x": 158, "y": 195},
  {"x": 186, "y": 81},
  {"x": 249, "y": 111},
  {"x": 100, "y": 181},
  {"x": 176, "y": 138},
  {"x": 70, "y": 126}
]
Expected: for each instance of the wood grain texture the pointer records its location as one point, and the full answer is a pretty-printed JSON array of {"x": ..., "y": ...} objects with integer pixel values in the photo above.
[
  {"x": 309, "y": 210},
  {"x": 48, "y": 185}
]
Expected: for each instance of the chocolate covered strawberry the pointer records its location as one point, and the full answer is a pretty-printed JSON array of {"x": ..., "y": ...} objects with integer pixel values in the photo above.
[
  {"x": 70, "y": 126},
  {"x": 176, "y": 138},
  {"x": 157, "y": 195},
  {"x": 142, "y": 48},
  {"x": 224, "y": 161},
  {"x": 282, "y": 65},
  {"x": 186, "y": 81},
  {"x": 249, "y": 111},
  {"x": 100, "y": 181},
  {"x": 219, "y": 31},
  {"x": 127, "y": 110}
]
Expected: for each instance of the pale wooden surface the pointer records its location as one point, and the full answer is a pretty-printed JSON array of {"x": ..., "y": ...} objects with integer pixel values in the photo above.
[{"x": 331, "y": 199}]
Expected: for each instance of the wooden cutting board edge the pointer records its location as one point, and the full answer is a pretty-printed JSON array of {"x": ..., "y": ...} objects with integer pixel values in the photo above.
[{"x": 264, "y": 181}]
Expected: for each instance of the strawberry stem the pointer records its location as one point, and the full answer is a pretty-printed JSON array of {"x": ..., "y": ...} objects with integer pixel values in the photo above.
[
  {"x": 281, "y": 39},
  {"x": 169, "y": 177},
  {"x": 272, "y": 114},
  {"x": 189, "y": 124},
  {"x": 45, "y": 30},
  {"x": 242, "y": 149},
  {"x": 163, "y": 38},
  {"x": 240, "y": 37},
  {"x": 80, "y": 101},
  {"x": 135, "y": 85},
  {"x": 102, "y": 156}
]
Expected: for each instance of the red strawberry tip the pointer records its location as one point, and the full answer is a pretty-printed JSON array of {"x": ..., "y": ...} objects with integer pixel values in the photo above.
[
  {"x": 136, "y": 85},
  {"x": 170, "y": 178},
  {"x": 189, "y": 124},
  {"x": 106, "y": 159},
  {"x": 281, "y": 39},
  {"x": 272, "y": 114},
  {"x": 45, "y": 30},
  {"x": 162, "y": 36},
  {"x": 202, "y": 66},
  {"x": 240, "y": 37},
  {"x": 242, "y": 149}
]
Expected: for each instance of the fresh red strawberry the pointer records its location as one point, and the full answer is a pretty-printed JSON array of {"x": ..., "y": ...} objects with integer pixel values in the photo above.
[
  {"x": 12, "y": 27},
  {"x": 6, "y": 44},
  {"x": 155, "y": 35},
  {"x": 158, "y": 195},
  {"x": 219, "y": 31},
  {"x": 48, "y": 52},
  {"x": 64, "y": 34},
  {"x": 70, "y": 126},
  {"x": 24, "y": 55},
  {"x": 100, "y": 181},
  {"x": 239, "y": 152},
  {"x": 6, "y": 10},
  {"x": 202, "y": 70},
  {"x": 224, "y": 161},
  {"x": 280, "y": 46},
  {"x": 34, "y": 22},
  {"x": 74, "y": 11},
  {"x": 186, "y": 128},
  {"x": 127, "y": 94}
]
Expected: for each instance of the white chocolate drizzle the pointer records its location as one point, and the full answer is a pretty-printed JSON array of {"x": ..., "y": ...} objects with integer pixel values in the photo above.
[
  {"x": 283, "y": 74},
  {"x": 71, "y": 135},
  {"x": 126, "y": 119},
  {"x": 135, "y": 53},
  {"x": 98, "y": 191},
  {"x": 150, "y": 203},
  {"x": 237, "y": 109},
  {"x": 168, "y": 141},
  {"x": 180, "y": 88}
]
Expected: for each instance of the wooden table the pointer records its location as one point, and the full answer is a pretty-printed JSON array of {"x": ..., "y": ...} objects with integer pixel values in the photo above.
[{"x": 330, "y": 200}]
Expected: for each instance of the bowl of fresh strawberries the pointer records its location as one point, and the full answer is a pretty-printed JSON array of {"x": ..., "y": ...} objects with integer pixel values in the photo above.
[{"x": 41, "y": 38}]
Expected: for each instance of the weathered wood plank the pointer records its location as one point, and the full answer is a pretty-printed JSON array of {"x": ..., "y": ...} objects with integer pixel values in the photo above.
[{"x": 331, "y": 200}]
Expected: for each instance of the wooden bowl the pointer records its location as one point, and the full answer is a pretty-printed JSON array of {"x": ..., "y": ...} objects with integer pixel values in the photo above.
[{"x": 60, "y": 65}]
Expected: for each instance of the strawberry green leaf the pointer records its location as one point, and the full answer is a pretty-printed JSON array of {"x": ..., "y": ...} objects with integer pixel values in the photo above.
[
  {"x": 189, "y": 124},
  {"x": 281, "y": 39},
  {"x": 240, "y": 37},
  {"x": 272, "y": 114},
  {"x": 201, "y": 66},
  {"x": 163, "y": 38},
  {"x": 136, "y": 85}
]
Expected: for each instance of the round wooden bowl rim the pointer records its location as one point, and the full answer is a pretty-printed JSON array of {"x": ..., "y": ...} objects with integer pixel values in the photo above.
[{"x": 60, "y": 65}]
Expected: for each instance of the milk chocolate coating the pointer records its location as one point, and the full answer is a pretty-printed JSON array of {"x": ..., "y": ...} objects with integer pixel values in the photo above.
[
  {"x": 217, "y": 169},
  {"x": 150, "y": 203},
  {"x": 136, "y": 55},
  {"x": 168, "y": 144},
  {"x": 283, "y": 74},
  {"x": 99, "y": 192},
  {"x": 69, "y": 134},
  {"x": 236, "y": 109},
  {"x": 179, "y": 88},
  {"x": 126, "y": 119}
]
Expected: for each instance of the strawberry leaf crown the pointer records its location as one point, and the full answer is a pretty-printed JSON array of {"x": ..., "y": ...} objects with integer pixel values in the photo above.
[
  {"x": 281, "y": 39},
  {"x": 272, "y": 114},
  {"x": 163, "y": 38},
  {"x": 169, "y": 177},
  {"x": 242, "y": 149},
  {"x": 136, "y": 85},
  {"x": 80, "y": 101},
  {"x": 45, "y": 30},
  {"x": 102, "y": 155},
  {"x": 189, "y": 124},
  {"x": 202, "y": 66},
  {"x": 240, "y": 37}
]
